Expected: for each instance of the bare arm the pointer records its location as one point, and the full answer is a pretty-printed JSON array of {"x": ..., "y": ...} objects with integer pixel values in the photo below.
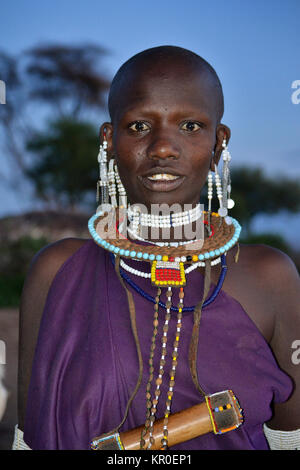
[{"x": 284, "y": 282}]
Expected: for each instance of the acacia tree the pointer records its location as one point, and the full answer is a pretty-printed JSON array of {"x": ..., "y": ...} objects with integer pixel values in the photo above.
[
  {"x": 67, "y": 78},
  {"x": 64, "y": 167},
  {"x": 65, "y": 83}
]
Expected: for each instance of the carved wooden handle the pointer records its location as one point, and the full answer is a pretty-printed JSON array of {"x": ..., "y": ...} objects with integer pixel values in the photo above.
[
  {"x": 182, "y": 426},
  {"x": 219, "y": 413}
]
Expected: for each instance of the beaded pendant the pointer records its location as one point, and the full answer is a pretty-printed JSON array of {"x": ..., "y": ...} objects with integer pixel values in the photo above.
[{"x": 167, "y": 274}]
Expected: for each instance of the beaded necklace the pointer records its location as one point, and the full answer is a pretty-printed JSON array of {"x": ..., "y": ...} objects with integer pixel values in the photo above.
[
  {"x": 167, "y": 271},
  {"x": 152, "y": 299},
  {"x": 188, "y": 270},
  {"x": 139, "y": 219}
]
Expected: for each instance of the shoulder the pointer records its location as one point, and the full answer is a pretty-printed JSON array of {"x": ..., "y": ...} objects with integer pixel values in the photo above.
[
  {"x": 270, "y": 268},
  {"x": 43, "y": 269},
  {"x": 41, "y": 273},
  {"x": 265, "y": 281},
  {"x": 265, "y": 255},
  {"x": 50, "y": 258}
]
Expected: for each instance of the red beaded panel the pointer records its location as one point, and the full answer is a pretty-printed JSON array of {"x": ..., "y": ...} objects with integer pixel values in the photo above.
[{"x": 167, "y": 275}]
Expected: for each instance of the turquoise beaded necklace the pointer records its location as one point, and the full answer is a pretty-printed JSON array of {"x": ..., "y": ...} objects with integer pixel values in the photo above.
[{"x": 138, "y": 255}]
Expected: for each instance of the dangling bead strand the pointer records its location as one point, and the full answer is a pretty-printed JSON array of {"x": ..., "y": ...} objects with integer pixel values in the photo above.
[
  {"x": 164, "y": 440},
  {"x": 151, "y": 370},
  {"x": 112, "y": 184},
  {"x": 121, "y": 189},
  {"x": 222, "y": 210},
  {"x": 209, "y": 189},
  {"x": 209, "y": 196},
  {"x": 161, "y": 366},
  {"x": 229, "y": 203},
  {"x": 102, "y": 185}
]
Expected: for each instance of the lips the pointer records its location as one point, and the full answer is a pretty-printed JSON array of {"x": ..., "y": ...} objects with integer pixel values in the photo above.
[{"x": 161, "y": 181}]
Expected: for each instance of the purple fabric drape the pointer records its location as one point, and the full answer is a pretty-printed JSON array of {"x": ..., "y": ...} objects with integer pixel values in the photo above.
[{"x": 86, "y": 366}]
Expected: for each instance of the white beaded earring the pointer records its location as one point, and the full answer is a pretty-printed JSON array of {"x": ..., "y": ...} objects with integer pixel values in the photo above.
[
  {"x": 209, "y": 196},
  {"x": 222, "y": 210},
  {"x": 108, "y": 177},
  {"x": 223, "y": 186},
  {"x": 112, "y": 190},
  {"x": 227, "y": 201},
  {"x": 102, "y": 184},
  {"x": 121, "y": 189},
  {"x": 209, "y": 189}
]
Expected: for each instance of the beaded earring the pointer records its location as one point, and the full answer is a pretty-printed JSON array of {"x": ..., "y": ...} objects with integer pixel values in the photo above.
[
  {"x": 121, "y": 189},
  {"x": 223, "y": 186},
  {"x": 227, "y": 201},
  {"x": 102, "y": 184},
  {"x": 112, "y": 190},
  {"x": 108, "y": 177}
]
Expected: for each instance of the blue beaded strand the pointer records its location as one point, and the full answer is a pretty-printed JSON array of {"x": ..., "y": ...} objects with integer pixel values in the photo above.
[{"x": 175, "y": 309}]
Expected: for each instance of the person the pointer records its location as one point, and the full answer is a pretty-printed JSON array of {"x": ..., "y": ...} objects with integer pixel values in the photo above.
[{"x": 81, "y": 357}]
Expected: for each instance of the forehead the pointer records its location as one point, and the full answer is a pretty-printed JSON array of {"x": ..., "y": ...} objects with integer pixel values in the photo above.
[{"x": 167, "y": 85}]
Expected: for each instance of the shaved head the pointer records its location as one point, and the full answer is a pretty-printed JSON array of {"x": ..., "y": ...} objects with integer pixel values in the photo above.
[{"x": 161, "y": 62}]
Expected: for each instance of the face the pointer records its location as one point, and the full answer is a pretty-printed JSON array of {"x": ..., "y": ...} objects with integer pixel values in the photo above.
[{"x": 164, "y": 135}]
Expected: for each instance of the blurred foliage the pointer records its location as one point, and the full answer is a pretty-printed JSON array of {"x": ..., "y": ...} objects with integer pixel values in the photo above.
[
  {"x": 10, "y": 290},
  {"x": 67, "y": 77},
  {"x": 50, "y": 81},
  {"x": 270, "y": 239},
  {"x": 254, "y": 193},
  {"x": 15, "y": 258},
  {"x": 64, "y": 169}
]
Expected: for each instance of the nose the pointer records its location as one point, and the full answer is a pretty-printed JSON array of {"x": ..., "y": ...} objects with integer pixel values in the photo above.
[{"x": 163, "y": 147}]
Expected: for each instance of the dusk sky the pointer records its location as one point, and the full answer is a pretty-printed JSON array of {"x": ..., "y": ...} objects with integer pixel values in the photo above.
[{"x": 253, "y": 45}]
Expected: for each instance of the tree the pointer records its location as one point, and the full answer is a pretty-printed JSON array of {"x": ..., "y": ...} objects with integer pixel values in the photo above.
[
  {"x": 254, "y": 193},
  {"x": 67, "y": 77},
  {"x": 64, "y": 168},
  {"x": 64, "y": 82}
]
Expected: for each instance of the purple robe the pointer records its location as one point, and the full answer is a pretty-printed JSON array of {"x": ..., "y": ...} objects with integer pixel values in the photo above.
[{"x": 86, "y": 366}]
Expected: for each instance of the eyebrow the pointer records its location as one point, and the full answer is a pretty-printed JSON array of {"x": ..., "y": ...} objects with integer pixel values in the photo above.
[{"x": 147, "y": 112}]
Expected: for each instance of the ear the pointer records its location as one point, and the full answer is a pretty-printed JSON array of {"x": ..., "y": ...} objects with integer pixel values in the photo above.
[
  {"x": 106, "y": 132},
  {"x": 222, "y": 132}
]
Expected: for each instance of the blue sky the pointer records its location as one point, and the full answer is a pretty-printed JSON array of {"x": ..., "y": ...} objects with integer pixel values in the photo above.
[{"x": 253, "y": 45}]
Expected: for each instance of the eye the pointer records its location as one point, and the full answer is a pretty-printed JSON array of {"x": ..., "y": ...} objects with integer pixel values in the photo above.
[
  {"x": 190, "y": 126},
  {"x": 139, "y": 126}
]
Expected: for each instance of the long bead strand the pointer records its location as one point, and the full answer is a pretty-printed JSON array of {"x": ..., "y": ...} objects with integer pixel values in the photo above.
[
  {"x": 151, "y": 370},
  {"x": 161, "y": 366},
  {"x": 164, "y": 440}
]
